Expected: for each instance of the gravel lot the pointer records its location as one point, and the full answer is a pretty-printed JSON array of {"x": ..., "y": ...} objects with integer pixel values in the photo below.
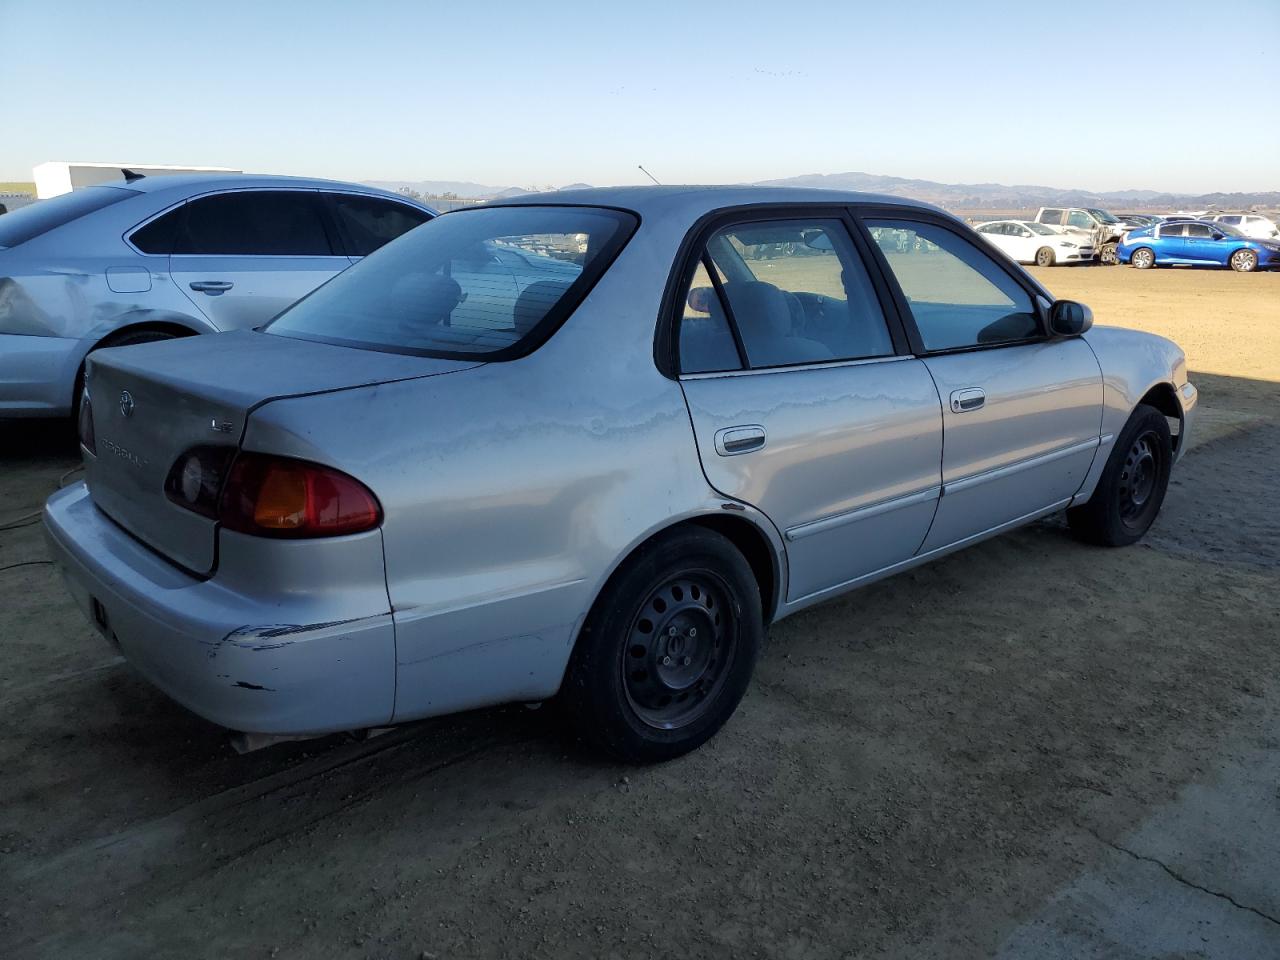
[{"x": 1030, "y": 749}]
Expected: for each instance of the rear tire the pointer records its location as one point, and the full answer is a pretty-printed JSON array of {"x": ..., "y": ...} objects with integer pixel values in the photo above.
[
  {"x": 1143, "y": 258},
  {"x": 1132, "y": 486},
  {"x": 1244, "y": 261},
  {"x": 1045, "y": 257},
  {"x": 668, "y": 649}
]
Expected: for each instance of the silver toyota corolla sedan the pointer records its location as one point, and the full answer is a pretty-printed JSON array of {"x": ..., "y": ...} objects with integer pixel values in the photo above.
[
  {"x": 162, "y": 257},
  {"x": 414, "y": 493}
]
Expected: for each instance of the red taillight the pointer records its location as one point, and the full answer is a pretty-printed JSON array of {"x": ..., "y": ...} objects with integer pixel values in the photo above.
[
  {"x": 280, "y": 497},
  {"x": 84, "y": 424}
]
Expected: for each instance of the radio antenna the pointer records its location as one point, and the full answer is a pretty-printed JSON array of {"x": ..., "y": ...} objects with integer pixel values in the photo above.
[{"x": 648, "y": 174}]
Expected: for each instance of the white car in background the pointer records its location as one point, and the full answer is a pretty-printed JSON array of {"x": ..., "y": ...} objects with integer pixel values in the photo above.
[
  {"x": 1028, "y": 242},
  {"x": 1250, "y": 224}
]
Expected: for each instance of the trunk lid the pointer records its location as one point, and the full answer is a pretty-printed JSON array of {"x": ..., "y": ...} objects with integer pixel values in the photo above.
[{"x": 154, "y": 402}]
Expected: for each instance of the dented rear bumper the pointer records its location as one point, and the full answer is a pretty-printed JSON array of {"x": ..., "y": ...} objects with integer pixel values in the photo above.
[{"x": 276, "y": 648}]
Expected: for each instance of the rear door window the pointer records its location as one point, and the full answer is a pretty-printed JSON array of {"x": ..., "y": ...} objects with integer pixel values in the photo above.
[
  {"x": 366, "y": 223},
  {"x": 958, "y": 296},
  {"x": 255, "y": 223},
  {"x": 1172, "y": 230},
  {"x": 1051, "y": 216},
  {"x": 27, "y": 223},
  {"x": 797, "y": 292}
]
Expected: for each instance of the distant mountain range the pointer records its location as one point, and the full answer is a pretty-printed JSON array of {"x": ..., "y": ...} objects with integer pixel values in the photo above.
[
  {"x": 954, "y": 196},
  {"x": 968, "y": 196}
]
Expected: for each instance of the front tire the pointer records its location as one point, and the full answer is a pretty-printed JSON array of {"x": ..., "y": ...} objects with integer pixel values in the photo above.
[
  {"x": 1132, "y": 486},
  {"x": 1143, "y": 258},
  {"x": 1045, "y": 257},
  {"x": 1244, "y": 261},
  {"x": 668, "y": 649}
]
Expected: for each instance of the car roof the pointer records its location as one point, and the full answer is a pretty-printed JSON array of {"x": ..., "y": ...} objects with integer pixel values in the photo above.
[
  {"x": 180, "y": 183},
  {"x": 694, "y": 200}
]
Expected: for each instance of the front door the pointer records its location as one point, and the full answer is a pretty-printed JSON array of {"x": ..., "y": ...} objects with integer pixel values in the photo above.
[
  {"x": 1021, "y": 410},
  {"x": 244, "y": 255},
  {"x": 801, "y": 404}
]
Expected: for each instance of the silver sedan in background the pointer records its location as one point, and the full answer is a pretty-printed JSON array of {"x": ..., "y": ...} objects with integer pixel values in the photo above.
[
  {"x": 414, "y": 493},
  {"x": 155, "y": 258}
]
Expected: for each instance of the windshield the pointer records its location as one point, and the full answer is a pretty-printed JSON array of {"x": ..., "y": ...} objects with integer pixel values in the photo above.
[
  {"x": 1039, "y": 228},
  {"x": 489, "y": 282},
  {"x": 27, "y": 223},
  {"x": 1102, "y": 215},
  {"x": 1227, "y": 229}
]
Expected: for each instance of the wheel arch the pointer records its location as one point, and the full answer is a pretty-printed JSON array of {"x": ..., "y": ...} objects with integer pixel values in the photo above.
[
  {"x": 1164, "y": 398},
  {"x": 741, "y": 527},
  {"x": 175, "y": 324}
]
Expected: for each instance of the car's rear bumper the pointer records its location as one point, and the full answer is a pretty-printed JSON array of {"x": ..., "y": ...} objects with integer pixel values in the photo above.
[
  {"x": 284, "y": 663},
  {"x": 37, "y": 375}
]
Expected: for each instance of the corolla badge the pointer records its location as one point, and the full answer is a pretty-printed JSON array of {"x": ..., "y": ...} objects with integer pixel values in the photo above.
[{"x": 126, "y": 403}]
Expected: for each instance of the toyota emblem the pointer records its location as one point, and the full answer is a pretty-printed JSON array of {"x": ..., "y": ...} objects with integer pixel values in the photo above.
[{"x": 126, "y": 403}]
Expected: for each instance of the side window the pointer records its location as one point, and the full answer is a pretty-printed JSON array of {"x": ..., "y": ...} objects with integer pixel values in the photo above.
[
  {"x": 369, "y": 222},
  {"x": 706, "y": 343},
  {"x": 991, "y": 228},
  {"x": 158, "y": 236},
  {"x": 798, "y": 292},
  {"x": 1200, "y": 231},
  {"x": 1018, "y": 231},
  {"x": 1052, "y": 217},
  {"x": 959, "y": 296},
  {"x": 1078, "y": 218},
  {"x": 1171, "y": 230},
  {"x": 255, "y": 223}
]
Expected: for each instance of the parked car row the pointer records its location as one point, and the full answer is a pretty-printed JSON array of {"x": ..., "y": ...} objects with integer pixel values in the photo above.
[
  {"x": 1244, "y": 242},
  {"x": 464, "y": 473}
]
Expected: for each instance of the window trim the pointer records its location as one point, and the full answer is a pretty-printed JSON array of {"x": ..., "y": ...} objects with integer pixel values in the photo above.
[
  {"x": 331, "y": 227},
  {"x": 331, "y": 214},
  {"x": 1038, "y": 295},
  {"x": 666, "y": 341}
]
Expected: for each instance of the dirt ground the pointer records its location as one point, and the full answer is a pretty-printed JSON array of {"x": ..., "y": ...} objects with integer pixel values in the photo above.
[{"x": 990, "y": 755}]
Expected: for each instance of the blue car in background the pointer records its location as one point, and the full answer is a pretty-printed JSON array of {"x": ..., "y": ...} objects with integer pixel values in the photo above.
[{"x": 1197, "y": 243}]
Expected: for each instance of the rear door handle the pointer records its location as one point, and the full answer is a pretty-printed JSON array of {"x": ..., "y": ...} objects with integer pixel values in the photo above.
[
  {"x": 970, "y": 398},
  {"x": 214, "y": 287},
  {"x": 732, "y": 441}
]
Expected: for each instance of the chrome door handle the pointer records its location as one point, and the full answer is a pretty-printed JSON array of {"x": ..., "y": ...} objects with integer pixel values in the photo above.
[
  {"x": 732, "y": 441},
  {"x": 211, "y": 286},
  {"x": 970, "y": 398}
]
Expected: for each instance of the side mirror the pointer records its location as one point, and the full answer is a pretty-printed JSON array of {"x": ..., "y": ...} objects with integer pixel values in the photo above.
[
  {"x": 1067, "y": 318},
  {"x": 818, "y": 240},
  {"x": 1219, "y": 236}
]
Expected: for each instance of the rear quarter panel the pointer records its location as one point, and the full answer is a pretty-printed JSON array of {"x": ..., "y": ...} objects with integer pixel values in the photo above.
[{"x": 511, "y": 491}]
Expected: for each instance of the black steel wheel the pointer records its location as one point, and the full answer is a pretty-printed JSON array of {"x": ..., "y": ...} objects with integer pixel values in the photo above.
[
  {"x": 1132, "y": 486},
  {"x": 668, "y": 649},
  {"x": 681, "y": 647},
  {"x": 1045, "y": 257}
]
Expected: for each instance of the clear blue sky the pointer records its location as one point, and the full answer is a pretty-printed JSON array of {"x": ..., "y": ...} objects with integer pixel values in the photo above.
[{"x": 1164, "y": 94}]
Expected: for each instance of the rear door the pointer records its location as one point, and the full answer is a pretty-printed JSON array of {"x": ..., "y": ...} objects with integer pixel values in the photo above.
[
  {"x": 1021, "y": 411},
  {"x": 1171, "y": 244},
  {"x": 242, "y": 256},
  {"x": 802, "y": 400}
]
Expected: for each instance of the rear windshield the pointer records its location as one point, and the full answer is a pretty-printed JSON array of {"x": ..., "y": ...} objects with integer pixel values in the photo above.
[
  {"x": 30, "y": 221},
  {"x": 484, "y": 282}
]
